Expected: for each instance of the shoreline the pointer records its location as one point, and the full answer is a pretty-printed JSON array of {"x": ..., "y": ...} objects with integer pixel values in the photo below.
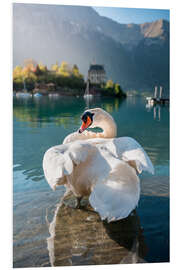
[{"x": 59, "y": 93}]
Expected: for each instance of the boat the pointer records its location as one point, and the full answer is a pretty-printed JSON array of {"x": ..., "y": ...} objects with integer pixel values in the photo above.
[
  {"x": 88, "y": 96},
  {"x": 37, "y": 95},
  {"x": 23, "y": 95},
  {"x": 53, "y": 95}
]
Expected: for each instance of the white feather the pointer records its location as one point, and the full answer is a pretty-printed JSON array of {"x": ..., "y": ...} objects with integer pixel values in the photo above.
[
  {"x": 127, "y": 149},
  {"x": 115, "y": 197},
  {"x": 58, "y": 161}
]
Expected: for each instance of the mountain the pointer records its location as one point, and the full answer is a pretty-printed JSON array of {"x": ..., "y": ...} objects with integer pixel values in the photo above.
[{"x": 135, "y": 55}]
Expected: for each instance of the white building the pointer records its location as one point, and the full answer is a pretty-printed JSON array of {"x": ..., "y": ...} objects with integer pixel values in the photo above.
[{"x": 96, "y": 74}]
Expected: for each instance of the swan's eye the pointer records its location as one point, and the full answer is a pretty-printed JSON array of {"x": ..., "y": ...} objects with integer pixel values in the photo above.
[
  {"x": 86, "y": 115},
  {"x": 84, "y": 118}
]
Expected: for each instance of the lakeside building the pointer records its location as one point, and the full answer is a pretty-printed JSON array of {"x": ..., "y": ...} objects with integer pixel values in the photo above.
[{"x": 96, "y": 74}]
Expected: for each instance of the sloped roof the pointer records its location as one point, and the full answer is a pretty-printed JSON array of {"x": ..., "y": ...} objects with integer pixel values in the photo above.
[{"x": 96, "y": 67}]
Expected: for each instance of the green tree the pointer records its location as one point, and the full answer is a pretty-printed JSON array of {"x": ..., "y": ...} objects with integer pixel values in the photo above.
[
  {"x": 41, "y": 71},
  {"x": 75, "y": 71},
  {"x": 38, "y": 71},
  {"x": 117, "y": 89},
  {"x": 109, "y": 84}
]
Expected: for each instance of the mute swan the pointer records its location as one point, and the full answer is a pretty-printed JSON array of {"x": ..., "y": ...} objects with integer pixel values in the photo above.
[{"x": 99, "y": 165}]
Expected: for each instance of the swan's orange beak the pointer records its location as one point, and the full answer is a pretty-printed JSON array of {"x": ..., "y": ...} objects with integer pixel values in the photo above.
[{"x": 85, "y": 125}]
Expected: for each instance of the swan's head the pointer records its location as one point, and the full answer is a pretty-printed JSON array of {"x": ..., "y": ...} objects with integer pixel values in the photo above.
[{"x": 94, "y": 118}]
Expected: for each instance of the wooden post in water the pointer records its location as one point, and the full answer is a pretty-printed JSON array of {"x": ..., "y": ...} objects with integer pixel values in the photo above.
[{"x": 155, "y": 92}]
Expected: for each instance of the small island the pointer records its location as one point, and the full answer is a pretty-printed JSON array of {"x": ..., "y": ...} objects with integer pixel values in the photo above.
[{"x": 63, "y": 80}]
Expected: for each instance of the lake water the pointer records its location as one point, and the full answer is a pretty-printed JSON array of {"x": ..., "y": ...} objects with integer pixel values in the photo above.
[{"x": 42, "y": 122}]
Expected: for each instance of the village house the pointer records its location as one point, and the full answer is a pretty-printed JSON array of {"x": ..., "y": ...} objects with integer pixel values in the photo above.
[{"x": 96, "y": 74}]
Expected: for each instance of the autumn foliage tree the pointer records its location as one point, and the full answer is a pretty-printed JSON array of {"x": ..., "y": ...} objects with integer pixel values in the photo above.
[
  {"x": 55, "y": 67},
  {"x": 64, "y": 69}
]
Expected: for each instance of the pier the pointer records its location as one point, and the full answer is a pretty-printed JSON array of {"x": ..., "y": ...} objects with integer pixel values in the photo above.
[{"x": 157, "y": 100}]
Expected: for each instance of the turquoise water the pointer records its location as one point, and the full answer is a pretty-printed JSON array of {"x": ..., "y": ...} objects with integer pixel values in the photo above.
[{"x": 42, "y": 122}]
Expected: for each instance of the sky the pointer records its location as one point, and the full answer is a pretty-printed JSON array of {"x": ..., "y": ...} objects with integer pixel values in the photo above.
[{"x": 133, "y": 15}]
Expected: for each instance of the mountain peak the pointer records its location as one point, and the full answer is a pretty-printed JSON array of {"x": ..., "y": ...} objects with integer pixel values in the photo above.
[{"x": 154, "y": 29}]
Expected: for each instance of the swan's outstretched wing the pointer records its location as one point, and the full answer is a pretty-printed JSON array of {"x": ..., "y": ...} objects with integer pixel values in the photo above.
[
  {"x": 131, "y": 151},
  {"x": 114, "y": 198},
  {"x": 128, "y": 150},
  {"x": 59, "y": 161}
]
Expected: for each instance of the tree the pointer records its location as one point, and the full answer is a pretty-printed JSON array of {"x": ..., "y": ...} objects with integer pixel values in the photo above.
[
  {"x": 64, "y": 69},
  {"x": 55, "y": 67},
  {"x": 17, "y": 72},
  {"x": 117, "y": 89},
  {"x": 38, "y": 71},
  {"x": 30, "y": 64},
  {"x": 75, "y": 71},
  {"x": 27, "y": 73},
  {"x": 109, "y": 84},
  {"x": 42, "y": 67}
]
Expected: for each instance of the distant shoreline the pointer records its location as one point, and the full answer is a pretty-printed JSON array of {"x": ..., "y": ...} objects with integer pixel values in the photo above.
[
  {"x": 64, "y": 92},
  {"x": 56, "y": 93}
]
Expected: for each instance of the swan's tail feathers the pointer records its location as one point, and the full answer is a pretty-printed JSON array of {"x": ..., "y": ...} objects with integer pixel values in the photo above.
[{"x": 117, "y": 196}]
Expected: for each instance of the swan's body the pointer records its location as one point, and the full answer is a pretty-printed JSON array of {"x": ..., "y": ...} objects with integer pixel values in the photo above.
[{"x": 99, "y": 166}]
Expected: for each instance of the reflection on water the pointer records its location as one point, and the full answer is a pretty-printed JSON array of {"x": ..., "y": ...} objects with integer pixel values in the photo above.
[
  {"x": 40, "y": 123},
  {"x": 38, "y": 112},
  {"x": 156, "y": 111}
]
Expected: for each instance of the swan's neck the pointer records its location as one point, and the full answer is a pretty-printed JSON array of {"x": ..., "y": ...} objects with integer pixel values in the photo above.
[
  {"x": 109, "y": 129},
  {"x": 106, "y": 123},
  {"x": 108, "y": 126}
]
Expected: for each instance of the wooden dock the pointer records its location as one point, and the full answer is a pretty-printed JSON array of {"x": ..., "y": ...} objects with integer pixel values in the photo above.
[{"x": 162, "y": 101}]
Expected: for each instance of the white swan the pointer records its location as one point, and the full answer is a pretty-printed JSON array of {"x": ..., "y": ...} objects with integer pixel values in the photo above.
[{"x": 99, "y": 166}]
